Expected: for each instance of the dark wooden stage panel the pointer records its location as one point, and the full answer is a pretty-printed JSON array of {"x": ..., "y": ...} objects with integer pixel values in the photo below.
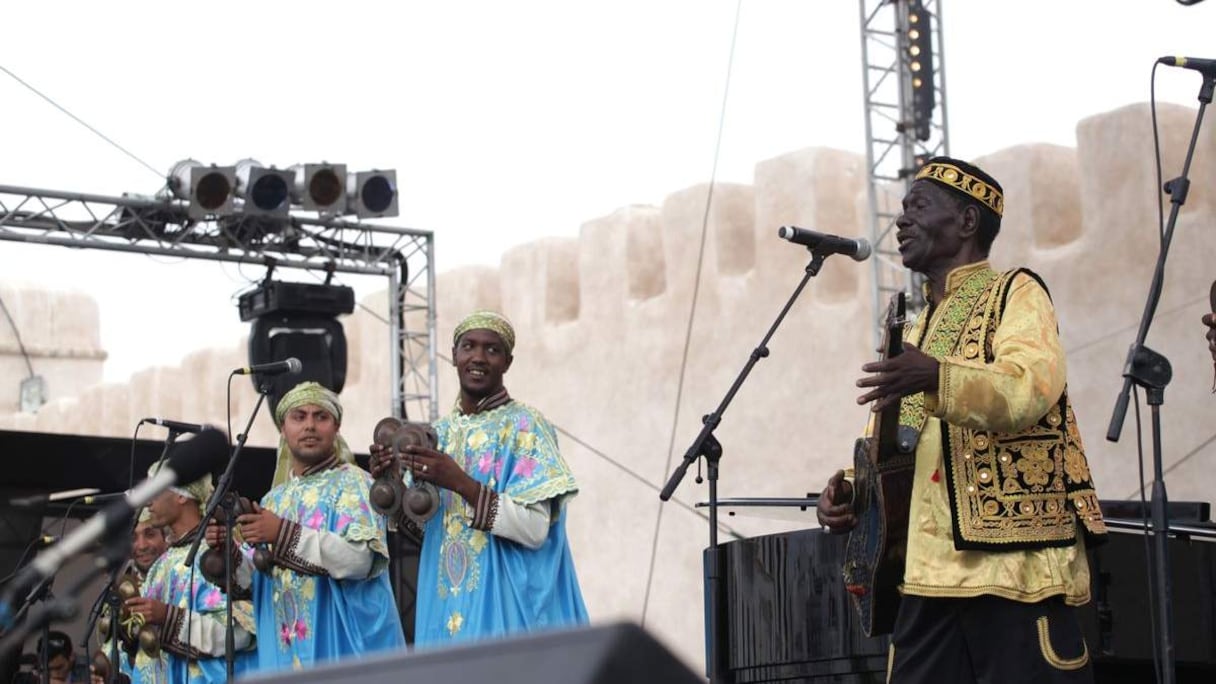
[{"x": 789, "y": 618}]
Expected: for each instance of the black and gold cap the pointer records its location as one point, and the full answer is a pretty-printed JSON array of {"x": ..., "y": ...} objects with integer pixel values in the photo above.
[{"x": 966, "y": 179}]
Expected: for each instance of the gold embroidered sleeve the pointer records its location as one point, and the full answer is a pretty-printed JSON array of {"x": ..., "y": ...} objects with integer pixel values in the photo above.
[{"x": 1022, "y": 381}]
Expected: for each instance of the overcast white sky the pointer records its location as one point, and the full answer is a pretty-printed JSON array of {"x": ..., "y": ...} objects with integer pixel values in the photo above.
[{"x": 506, "y": 121}]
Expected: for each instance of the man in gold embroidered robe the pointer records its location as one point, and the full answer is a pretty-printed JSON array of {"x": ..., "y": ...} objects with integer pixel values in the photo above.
[{"x": 1002, "y": 500}]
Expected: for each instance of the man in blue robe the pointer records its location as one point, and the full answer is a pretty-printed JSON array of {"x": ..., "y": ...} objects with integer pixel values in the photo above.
[
  {"x": 326, "y": 595},
  {"x": 495, "y": 558},
  {"x": 187, "y": 612},
  {"x": 148, "y": 542}
]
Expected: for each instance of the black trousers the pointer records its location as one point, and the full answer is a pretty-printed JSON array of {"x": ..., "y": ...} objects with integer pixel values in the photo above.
[{"x": 988, "y": 640}]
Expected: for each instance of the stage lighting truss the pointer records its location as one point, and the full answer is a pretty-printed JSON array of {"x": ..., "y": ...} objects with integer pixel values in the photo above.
[
  {"x": 904, "y": 88},
  {"x": 322, "y": 245}
]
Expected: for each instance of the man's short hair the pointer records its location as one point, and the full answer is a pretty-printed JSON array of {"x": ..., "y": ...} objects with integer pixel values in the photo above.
[{"x": 58, "y": 644}]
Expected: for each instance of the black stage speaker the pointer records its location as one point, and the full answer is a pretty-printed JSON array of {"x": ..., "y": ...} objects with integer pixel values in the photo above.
[{"x": 613, "y": 654}]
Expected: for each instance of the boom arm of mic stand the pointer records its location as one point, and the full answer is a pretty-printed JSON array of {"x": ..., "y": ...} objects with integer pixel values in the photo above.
[
  {"x": 703, "y": 443},
  {"x": 221, "y": 488}
]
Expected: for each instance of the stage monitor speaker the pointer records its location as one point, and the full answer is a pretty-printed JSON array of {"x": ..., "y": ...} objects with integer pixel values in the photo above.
[{"x": 613, "y": 654}]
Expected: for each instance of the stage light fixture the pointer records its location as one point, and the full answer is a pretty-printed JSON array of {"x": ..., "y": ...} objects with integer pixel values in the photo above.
[
  {"x": 371, "y": 194},
  {"x": 298, "y": 320},
  {"x": 320, "y": 187},
  {"x": 920, "y": 62},
  {"x": 266, "y": 191},
  {"x": 206, "y": 189}
]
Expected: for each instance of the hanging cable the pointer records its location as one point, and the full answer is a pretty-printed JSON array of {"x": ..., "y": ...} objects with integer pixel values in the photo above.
[
  {"x": 80, "y": 121},
  {"x": 692, "y": 309},
  {"x": 17, "y": 334}
]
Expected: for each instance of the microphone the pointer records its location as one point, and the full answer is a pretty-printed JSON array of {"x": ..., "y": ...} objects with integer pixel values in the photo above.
[
  {"x": 189, "y": 461},
  {"x": 103, "y": 497},
  {"x": 291, "y": 366},
  {"x": 1207, "y": 67},
  {"x": 174, "y": 425},
  {"x": 39, "y": 499},
  {"x": 857, "y": 248}
]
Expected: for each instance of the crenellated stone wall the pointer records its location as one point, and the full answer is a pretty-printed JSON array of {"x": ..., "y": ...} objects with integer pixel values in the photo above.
[
  {"x": 603, "y": 320},
  {"x": 60, "y": 339}
]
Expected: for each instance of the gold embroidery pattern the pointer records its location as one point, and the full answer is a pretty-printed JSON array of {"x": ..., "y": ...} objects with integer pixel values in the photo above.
[
  {"x": 953, "y": 176},
  {"x": 944, "y": 333},
  {"x": 1014, "y": 488},
  {"x": 455, "y": 622},
  {"x": 1049, "y": 652}
]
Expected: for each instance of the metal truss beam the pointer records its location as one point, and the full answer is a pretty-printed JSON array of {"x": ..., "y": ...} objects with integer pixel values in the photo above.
[
  {"x": 161, "y": 226},
  {"x": 891, "y": 143}
]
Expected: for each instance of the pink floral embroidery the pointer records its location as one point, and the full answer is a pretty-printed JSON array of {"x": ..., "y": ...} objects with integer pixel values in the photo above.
[
  {"x": 212, "y": 598},
  {"x": 523, "y": 424},
  {"x": 525, "y": 467},
  {"x": 315, "y": 520},
  {"x": 498, "y": 469},
  {"x": 486, "y": 462},
  {"x": 293, "y": 632},
  {"x": 343, "y": 521}
]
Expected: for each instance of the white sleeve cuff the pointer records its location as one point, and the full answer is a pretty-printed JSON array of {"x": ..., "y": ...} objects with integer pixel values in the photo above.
[
  {"x": 207, "y": 633},
  {"x": 527, "y": 525},
  {"x": 340, "y": 558}
]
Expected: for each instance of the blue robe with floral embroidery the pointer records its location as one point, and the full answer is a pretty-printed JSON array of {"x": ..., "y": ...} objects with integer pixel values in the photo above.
[
  {"x": 170, "y": 581},
  {"x": 306, "y": 619},
  {"x": 472, "y": 584}
]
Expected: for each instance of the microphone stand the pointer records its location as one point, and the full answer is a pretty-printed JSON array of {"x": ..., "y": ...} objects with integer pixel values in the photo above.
[
  {"x": 56, "y": 608},
  {"x": 15, "y": 636},
  {"x": 217, "y": 499},
  {"x": 1152, "y": 371},
  {"x": 109, "y": 596},
  {"x": 115, "y": 605},
  {"x": 707, "y": 446},
  {"x": 44, "y": 651}
]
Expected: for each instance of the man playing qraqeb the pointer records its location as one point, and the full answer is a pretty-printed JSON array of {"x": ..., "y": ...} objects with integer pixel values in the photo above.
[
  {"x": 495, "y": 558},
  {"x": 327, "y": 595}
]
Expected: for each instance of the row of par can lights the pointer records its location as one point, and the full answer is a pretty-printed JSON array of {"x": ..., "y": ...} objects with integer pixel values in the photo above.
[{"x": 252, "y": 189}]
